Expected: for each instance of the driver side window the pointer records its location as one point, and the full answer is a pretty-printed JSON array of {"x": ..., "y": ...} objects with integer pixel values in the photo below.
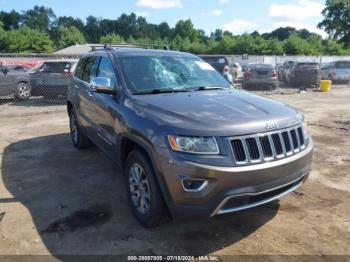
[{"x": 105, "y": 69}]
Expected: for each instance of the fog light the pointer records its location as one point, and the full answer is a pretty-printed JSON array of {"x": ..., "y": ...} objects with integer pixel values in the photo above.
[{"x": 194, "y": 185}]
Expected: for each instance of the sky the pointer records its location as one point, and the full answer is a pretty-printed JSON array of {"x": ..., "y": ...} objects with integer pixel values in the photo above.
[{"x": 236, "y": 16}]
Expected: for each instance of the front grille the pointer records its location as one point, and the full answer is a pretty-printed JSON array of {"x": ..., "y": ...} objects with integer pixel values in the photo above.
[{"x": 264, "y": 147}]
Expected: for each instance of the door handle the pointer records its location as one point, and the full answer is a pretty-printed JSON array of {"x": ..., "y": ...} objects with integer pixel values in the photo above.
[
  {"x": 91, "y": 94},
  {"x": 76, "y": 86}
]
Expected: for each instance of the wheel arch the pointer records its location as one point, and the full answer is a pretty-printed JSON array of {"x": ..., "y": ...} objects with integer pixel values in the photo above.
[{"x": 127, "y": 145}]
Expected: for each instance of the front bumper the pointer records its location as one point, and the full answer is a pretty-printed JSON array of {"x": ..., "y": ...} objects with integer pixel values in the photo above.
[{"x": 231, "y": 189}]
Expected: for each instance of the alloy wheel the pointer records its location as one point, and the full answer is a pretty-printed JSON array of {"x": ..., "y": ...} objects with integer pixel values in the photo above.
[
  {"x": 139, "y": 188},
  {"x": 23, "y": 91}
]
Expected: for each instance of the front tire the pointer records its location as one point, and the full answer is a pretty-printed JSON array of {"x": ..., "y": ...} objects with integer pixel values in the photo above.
[
  {"x": 23, "y": 91},
  {"x": 79, "y": 140},
  {"x": 145, "y": 198}
]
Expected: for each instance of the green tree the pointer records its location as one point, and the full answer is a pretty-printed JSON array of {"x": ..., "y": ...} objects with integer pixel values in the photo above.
[
  {"x": 282, "y": 33},
  {"x": 26, "y": 40},
  {"x": 272, "y": 47},
  {"x": 10, "y": 20},
  {"x": 336, "y": 20},
  {"x": 39, "y": 17},
  {"x": 92, "y": 29},
  {"x": 70, "y": 36},
  {"x": 2, "y": 38},
  {"x": 245, "y": 44},
  {"x": 294, "y": 45},
  {"x": 111, "y": 39},
  {"x": 185, "y": 29},
  {"x": 313, "y": 45},
  {"x": 332, "y": 47}
]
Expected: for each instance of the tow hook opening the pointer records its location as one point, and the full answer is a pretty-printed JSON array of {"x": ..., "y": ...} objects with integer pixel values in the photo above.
[{"x": 193, "y": 185}]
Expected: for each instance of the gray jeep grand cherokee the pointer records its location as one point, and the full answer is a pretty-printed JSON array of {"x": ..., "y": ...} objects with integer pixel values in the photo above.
[{"x": 190, "y": 144}]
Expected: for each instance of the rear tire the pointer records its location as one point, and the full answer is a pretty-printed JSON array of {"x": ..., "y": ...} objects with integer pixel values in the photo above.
[
  {"x": 79, "y": 140},
  {"x": 144, "y": 195},
  {"x": 23, "y": 91}
]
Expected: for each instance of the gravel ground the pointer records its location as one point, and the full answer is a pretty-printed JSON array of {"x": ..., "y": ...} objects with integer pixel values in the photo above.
[{"x": 60, "y": 201}]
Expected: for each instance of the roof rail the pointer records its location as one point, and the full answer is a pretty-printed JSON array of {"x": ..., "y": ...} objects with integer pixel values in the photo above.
[{"x": 127, "y": 45}]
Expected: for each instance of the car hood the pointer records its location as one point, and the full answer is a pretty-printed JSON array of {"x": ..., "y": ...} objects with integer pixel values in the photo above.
[{"x": 216, "y": 112}]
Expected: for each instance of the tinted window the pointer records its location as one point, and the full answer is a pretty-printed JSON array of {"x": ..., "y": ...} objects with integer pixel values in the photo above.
[
  {"x": 308, "y": 65},
  {"x": 215, "y": 60},
  {"x": 105, "y": 69},
  {"x": 80, "y": 68},
  {"x": 261, "y": 66},
  {"x": 88, "y": 72},
  {"x": 343, "y": 65},
  {"x": 55, "y": 67}
]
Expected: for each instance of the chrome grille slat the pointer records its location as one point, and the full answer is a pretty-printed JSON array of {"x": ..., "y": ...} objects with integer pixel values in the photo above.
[{"x": 269, "y": 146}]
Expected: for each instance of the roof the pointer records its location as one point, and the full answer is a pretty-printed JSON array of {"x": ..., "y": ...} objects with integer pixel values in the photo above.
[
  {"x": 121, "y": 50},
  {"x": 136, "y": 51},
  {"x": 76, "y": 49},
  {"x": 63, "y": 60}
]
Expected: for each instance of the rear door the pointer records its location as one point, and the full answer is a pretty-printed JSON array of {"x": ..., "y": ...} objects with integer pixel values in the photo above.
[{"x": 86, "y": 96}]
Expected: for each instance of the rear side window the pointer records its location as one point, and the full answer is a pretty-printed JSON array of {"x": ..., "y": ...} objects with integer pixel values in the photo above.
[
  {"x": 89, "y": 66},
  {"x": 261, "y": 66},
  {"x": 105, "y": 69},
  {"x": 342, "y": 65},
  {"x": 55, "y": 67},
  {"x": 80, "y": 69},
  {"x": 308, "y": 65}
]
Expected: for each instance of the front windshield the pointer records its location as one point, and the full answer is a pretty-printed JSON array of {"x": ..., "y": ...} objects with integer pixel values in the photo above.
[{"x": 147, "y": 73}]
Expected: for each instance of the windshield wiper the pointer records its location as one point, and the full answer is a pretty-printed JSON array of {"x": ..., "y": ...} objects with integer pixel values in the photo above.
[{"x": 160, "y": 91}]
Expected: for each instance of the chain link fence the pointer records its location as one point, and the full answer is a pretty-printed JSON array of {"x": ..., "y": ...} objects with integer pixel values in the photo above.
[
  {"x": 33, "y": 82},
  {"x": 28, "y": 82}
]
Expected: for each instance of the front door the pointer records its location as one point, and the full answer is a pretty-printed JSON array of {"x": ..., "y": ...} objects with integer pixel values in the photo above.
[{"x": 106, "y": 108}]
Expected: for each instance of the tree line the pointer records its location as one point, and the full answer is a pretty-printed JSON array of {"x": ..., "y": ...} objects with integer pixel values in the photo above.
[{"x": 40, "y": 30}]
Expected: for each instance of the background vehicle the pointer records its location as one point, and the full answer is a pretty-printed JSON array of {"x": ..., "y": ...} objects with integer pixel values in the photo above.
[
  {"x": 285, "y": 70},
  {"x": 304, "y": 74},
  {"x": 260, "y": 76},
  {"x": 218, "y": 62},
  {"x": 236, "y": 70},
  {"x": 14, "y": 82},
  {"x": 187, "y": 142},
  {"x": 18, "y": 68},
  {"x": 280, "y": 72},
  {"x": 52, "y": 77},
  {"x": 337, "y": 71}
]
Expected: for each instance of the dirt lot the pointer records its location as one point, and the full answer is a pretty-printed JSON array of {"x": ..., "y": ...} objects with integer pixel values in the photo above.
[{"x": 57, "y": 200}]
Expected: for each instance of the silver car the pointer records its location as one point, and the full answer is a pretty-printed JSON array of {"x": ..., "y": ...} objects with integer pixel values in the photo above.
[
  {"x": 336, "y": 71},
  {"x": 260, "y": 76}
]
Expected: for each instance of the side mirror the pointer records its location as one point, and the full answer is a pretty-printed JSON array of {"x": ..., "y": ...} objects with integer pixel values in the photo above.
[{"x": 101, "y": 85}]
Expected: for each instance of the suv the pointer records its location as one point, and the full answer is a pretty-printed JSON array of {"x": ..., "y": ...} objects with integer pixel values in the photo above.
[
  {"x": 304, "y": 74},
  {"x": 14, "y": 82},
  {"x": 338, "y": 71},
  {"x": 51, "y": 79},
  {"x": 188, "y": 143},
  {"x": 218, "y": 62}
]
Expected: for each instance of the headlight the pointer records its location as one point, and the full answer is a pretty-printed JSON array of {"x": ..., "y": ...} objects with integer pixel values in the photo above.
[
  {"x": 306, "y": 136},
  {"x": 195, "y": 145}
]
